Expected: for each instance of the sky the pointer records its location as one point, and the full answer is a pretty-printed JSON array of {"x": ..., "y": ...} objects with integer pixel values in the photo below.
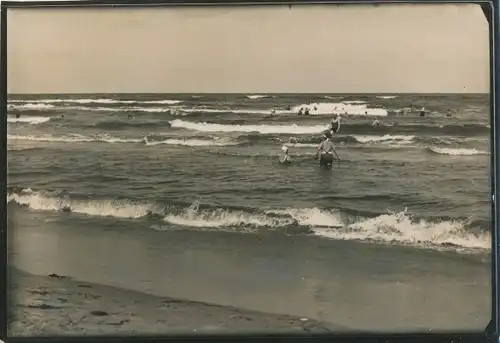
[{"x": 392, "y": 48}]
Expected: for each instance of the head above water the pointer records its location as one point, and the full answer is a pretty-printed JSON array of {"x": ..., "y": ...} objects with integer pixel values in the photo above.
[
  {"x": 284, "y": 148},
  {"x": 328, "y": 134}
]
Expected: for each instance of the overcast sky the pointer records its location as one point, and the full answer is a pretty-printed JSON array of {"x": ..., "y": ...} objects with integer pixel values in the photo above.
[{"x": 362, "y": 48}]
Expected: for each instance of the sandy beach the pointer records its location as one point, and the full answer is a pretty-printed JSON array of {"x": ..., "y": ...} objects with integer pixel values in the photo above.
[{"x": 58, "y": 305}]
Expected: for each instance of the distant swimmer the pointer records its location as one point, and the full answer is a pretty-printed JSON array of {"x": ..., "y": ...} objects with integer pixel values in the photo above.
[
  {"x": 376, "y": 122},
  {"x": 273, "y": 112},
  {"x": 62, "y": 116},
  {"x": 288, "y": 108},
  {"x": 422, "y": 112},
  {"x": 284, "y": 157},
  {"x": 326, "y": 151},
  {"x": 307, "y": 111},
  {"x": 449, "y": 113},
  {"x": 18, "y": 116},
  {"x": 315, "y": 108},
  {"x": 335, "y": 123},
  {"x": 301, "y": 111},
  {"x": 130, "y": 116}
]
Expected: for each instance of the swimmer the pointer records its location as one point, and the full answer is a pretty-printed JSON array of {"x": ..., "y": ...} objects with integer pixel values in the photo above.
[
  {"x": 335, "y": 123},
  {"x": 422, "y": 112},
  {"x": 18, "y": 116},
  {"x": 376, "y": 122},
  {"x": 325, "y": 152},
  {"x": 301, "y": 111},
  {"x": 288, "y": 108},
  {"x": 130, "y": 116},
  {"x": 62, "y": 116},
  {"x": 284, "y": 157},
  {"x": 449, "y": 113},
  {"x": 273, "y": 112},
  {"x": 315, "y": 108},
  {"x": 307, "y": 111}
]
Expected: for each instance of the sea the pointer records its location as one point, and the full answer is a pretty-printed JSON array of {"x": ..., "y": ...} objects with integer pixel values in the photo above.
[{"x": 182, "y": 195}]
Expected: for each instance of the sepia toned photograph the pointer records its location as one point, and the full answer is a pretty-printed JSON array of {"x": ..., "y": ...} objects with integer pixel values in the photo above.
[{"x": 288, "y": 169}]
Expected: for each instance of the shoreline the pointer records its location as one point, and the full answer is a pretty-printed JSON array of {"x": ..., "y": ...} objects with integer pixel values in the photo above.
[{"x": 58, "y": 305}]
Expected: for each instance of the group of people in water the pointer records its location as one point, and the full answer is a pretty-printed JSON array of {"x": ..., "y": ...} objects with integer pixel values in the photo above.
[{"x": 326, "y": 150}]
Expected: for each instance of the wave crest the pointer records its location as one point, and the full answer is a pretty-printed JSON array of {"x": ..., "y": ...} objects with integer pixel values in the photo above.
[
  {"x": 390, "y": 228},
  {"x": 457, "y": 151},
  {"x": 28, "y": 120},
  {"x": 264, "y": 129},
  {"x": 46, "y": 201}
]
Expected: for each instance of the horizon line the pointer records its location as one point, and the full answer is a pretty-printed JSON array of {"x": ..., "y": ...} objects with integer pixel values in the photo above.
[{"x": 250, "y": 93}]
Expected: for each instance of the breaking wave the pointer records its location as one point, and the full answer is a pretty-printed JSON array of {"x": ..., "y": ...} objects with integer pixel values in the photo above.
[
  {"x": 192, "y": 142},
  {"x": 31, "y": 106},
  {"x": 39, "y": 102},
  {"x": 48, "y": 201},
  {"x": 104, "y": 138},
  {"x": 401, "y": 139},
  {"x": 387, "y": 96},
  {"x": 75, "y": 138},
  {"x": 264, "y": 129},
  {"x": 28, "y": 120},
  {"x": 256, "y": 96},
  {"x": 389, "y": 228},
  {"x": 457, "y": 151}
]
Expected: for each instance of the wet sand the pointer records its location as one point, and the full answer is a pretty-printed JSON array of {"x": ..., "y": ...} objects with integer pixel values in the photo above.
[{"x": 58, "y": 305}]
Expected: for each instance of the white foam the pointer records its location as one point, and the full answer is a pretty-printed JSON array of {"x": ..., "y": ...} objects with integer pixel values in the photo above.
[
  {"x": 194, "y": 217},
  {"x": 265, "y": 129},
  {"x": 354, "y": 102},
  {"x": 401, "y": 139},
  {"x": 191, "y": 142},
  {"x": 74, "y": 139},
  {"x": 393, "y": 227},
  {"x": 255, "y": 97},
  {"x": 31, "y": 106},
  {"x": 28, "y": 120},
  {"x": 103, "y": 208},
  {"x": 387, "y": 96},
  {"x": 233, "y": 110},
  {"x": 399, "y": 227},
  {"x": 96, "y": 101},
  {"x": 458, "y": 151},
  {"x": 345, "y": 107}
]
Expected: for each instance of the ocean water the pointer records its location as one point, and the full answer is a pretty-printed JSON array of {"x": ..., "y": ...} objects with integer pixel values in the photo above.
[{"x": 186, "y": 198}]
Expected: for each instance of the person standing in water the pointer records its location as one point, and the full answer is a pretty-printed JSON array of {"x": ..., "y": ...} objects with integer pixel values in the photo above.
[
  {"x": 335, "y": 123},
  {"x": 449, "y": 113},
  {"x": 422, "y": 112},
  {"x": 284, "y": 157},
  {"x": 325, "y": 152},
  {"x": 376, "y": 122}
]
